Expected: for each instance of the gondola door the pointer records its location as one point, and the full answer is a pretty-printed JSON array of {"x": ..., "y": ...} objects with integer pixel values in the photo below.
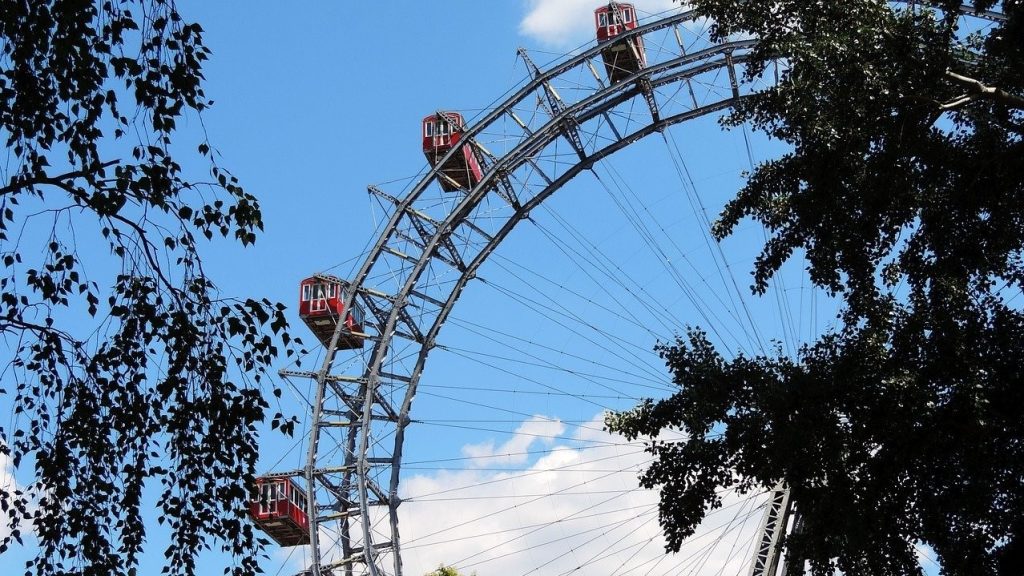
[
  {"x": 319, "y": 301},
  {"x": 268, "y": 500}
]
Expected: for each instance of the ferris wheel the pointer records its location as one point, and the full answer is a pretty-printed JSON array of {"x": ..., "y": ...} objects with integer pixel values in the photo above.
[{"x": 569, "y": 295}]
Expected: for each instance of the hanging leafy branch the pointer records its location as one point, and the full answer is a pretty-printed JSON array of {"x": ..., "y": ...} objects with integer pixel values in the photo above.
[
  {"x": 128, "y": 370},
  {"x": 904, "y": 192}
]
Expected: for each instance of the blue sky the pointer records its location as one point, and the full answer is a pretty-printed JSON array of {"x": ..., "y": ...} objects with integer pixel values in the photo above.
[{"x": 316, "y": 100}]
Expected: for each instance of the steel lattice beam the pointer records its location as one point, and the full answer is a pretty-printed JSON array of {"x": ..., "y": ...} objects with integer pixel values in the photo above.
[{"x": 357, "y": 491}]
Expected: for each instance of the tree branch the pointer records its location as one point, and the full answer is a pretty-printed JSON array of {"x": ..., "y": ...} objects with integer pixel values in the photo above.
[
  {"x": 981, "y": 90},
  {"x": 147, "y": 247},
  {"x": 18, "y": 324},
  {"x": 54, "y": 180}
]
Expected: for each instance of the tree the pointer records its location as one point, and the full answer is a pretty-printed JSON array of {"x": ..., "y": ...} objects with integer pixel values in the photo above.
[
  {"x": 904, "y": 191},
  {"x": 128, "y": 369}
]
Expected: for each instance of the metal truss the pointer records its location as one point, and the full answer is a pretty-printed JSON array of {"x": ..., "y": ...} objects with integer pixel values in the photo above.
[
  {"x": 773, "y": 525},
  {"x": 359, "y": 421}
]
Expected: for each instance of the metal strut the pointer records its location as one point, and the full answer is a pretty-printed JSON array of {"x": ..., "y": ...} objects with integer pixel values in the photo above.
[
  {"x": 343, "y": 507},
  {"x": 794, "y": 565},
  {"x": 682, "y": 51},
  {"x": 453, "y": 258},
  {"x": 531, "y": 161},
  {"x": 644, "y": 83},
  {"x": 773, "y": 526},
  {"x": 314, "y": 473},
  {"x": 381, "y": 314},
  {"x": 647, "y": 90},
  {"x": 347, "y": 496},
  {"x": 600, "y": 84},
  {"x": 487, "y": 160},
  {"x": 417, "y": 214},
  {"x": 570, "y": 127},
  {"x": 733, "y": 82}
]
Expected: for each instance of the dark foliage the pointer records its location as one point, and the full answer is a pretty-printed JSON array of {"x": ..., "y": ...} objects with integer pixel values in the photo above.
[
  {"x": 127, "y": 369},
  {"x": 904, "y": 189}
]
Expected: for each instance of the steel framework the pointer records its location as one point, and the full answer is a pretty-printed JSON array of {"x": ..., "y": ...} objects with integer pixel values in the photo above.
[{"x": 359, "y": 421}]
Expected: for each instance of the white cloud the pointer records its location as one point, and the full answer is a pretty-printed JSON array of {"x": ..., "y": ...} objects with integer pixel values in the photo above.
[
  {"x": 538, "y": 429},
  {"x": 572, "y": 507},
  {"x": 8, "y": 486},
  {"x": 569, "y": 23},
  {"x": 575, "y": 508}
]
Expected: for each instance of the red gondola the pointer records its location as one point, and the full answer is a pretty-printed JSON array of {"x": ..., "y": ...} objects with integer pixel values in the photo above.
[
  {"x": 440, "y": 133},
  {"x": 620, "y": 58},
  {"x": 280, "y": 510},
  {"x": 321, "y": 305}
]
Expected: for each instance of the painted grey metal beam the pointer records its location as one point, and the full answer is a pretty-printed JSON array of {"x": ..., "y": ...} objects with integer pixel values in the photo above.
[
  {"x": 462, "y": 210},
  {"x": 569, "y": 127},
  {"x": 315, "y": 375},
  {"x": 459, "y": 217},
  {"x": 646, "y": 90},
  {"x": 773, "y": 526}
]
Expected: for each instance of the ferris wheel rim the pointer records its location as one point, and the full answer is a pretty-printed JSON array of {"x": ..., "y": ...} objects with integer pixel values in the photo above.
[
  {"x": 605, "y": 98},
  {"x": 626, "y": 90}
]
